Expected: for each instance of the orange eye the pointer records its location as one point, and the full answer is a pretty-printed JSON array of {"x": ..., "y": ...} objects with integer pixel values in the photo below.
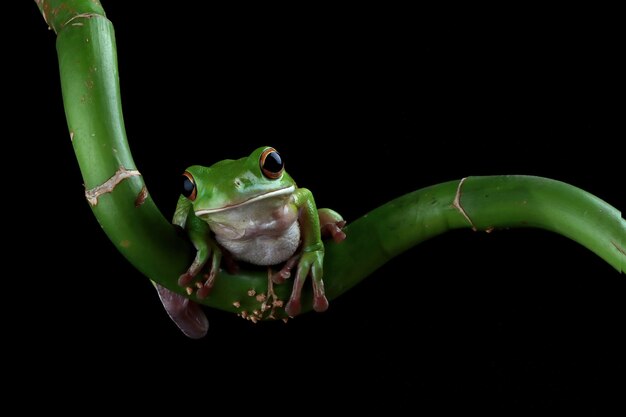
[
  {"x": 189, "y": 186},
  {"x": 271, "y": 164}
]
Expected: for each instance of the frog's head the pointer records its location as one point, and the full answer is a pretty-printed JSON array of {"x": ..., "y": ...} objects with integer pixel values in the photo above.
[{"x": 233, "y": 183}]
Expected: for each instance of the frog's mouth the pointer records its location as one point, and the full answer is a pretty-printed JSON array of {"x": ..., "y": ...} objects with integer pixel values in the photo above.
[{"x": 274, "y": 193}]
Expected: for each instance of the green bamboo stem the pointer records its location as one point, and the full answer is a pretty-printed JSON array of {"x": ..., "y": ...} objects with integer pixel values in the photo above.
[{"x": 119, "y": 199}]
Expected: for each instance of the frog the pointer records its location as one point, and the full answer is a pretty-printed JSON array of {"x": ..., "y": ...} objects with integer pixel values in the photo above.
[{"x": 249, "y": 210}]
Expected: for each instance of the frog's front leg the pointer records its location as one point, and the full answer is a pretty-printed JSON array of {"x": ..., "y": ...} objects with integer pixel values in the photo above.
[
  {"x": 312, "y": 255},
  {"x": 310, "y": 263},
  {"x": 206, "y": 250}
]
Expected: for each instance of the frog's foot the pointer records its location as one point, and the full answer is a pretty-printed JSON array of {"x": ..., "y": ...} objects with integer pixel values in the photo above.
[
  {"x": 293, "y": 307},
  {"x": 285, "y": 272},
  {"x": 205, "y": 285},
  {"x": 199, "y": 261},
  {"x": 309, "y": 262},
  {"x": 331, "y": 224},
  {"x": 334, "y": 230},
  {"x": 187, "y": 315},
  {"x": 320, "y": 302},
  {"x": 204, "y": 288},
  {"x": 185, "y": 279}
]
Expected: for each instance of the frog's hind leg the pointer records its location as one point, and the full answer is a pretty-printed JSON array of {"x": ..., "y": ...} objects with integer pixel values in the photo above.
[
  {"x": 331, "y": 224},
  {"x": 187, "y": 314}
]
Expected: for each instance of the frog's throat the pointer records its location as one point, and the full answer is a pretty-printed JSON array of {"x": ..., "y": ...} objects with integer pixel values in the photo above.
[{"x": 274, "y": 193}]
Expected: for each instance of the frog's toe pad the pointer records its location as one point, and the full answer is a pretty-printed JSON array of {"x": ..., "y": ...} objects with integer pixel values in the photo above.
[
  {"x": 293, "y": 308},
  {"x": 334, "y": 230},
  {"x": 320, "y": 304},
  {"x": 203, "y": 292},
  {"x": 185, "y": 279}
]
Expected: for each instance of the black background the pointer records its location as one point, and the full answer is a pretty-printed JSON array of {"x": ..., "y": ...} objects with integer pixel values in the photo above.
[{"x": 363, "y": 109}]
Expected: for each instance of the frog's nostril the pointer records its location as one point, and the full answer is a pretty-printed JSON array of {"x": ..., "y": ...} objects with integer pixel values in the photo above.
[{"x": 237, "y": 183}]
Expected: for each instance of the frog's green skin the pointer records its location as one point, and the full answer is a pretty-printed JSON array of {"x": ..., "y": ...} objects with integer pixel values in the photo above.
[{"x": 251, "y": 210}]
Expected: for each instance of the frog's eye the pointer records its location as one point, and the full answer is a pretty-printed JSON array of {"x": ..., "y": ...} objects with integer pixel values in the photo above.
[
  {"x": 189, "y": 186},
  {"x": 271, "y": 163}
]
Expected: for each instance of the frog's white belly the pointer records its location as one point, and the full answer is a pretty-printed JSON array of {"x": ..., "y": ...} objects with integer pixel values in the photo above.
[
  {"x": 264, "y": 249},
  {"x": 263, "y": 233}
]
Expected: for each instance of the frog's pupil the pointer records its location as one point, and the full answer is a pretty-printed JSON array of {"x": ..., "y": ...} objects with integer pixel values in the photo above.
[
  {"x": 273, "y": 162},
  {"x": 188, "y": 186}
]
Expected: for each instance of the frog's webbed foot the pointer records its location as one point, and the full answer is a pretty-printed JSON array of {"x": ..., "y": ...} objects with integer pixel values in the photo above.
[
  {"x": 187, "y": 315},
  {"x": 310, "y": 262},
  {"x": 331, "y": 224}
]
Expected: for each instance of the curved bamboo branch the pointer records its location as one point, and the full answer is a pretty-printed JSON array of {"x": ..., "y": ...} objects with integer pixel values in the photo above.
[{"x": 122, "y": 204}]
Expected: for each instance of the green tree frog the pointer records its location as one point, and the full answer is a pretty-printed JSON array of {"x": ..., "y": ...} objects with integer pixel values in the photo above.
[{"x": 249, "y": 210}]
